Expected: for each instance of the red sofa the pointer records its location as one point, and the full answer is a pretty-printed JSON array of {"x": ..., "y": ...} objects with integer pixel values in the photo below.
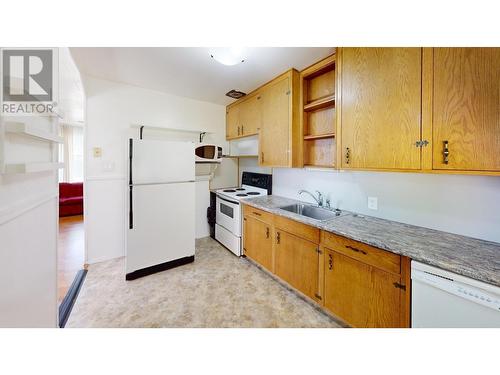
[{"x": 70, "y": 199}]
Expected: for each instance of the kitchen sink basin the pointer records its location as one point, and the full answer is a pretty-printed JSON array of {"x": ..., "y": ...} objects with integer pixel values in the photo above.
[{"x": 312, "y": 212}]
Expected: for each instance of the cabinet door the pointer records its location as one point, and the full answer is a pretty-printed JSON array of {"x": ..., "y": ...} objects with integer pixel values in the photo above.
[
  {"x": 380, "y": 107},
  {"x": 258, "y": 243},
  {"x": 251, "y": 115},
  {"x": 232, "y": 122},
  {"x": 297, "y": 262},
  {"x": 466, "y": 110},
  {"x": 361, "y": 295},
  {"x": 274, "y": 139}
]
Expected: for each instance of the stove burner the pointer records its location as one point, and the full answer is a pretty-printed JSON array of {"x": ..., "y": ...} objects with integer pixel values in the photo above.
[
  {"x": 240, "y": 189},
  {"x": 241, "y": 195},
  {"x": 253, "y": 193},
  {"x": 229, "y": 191}
]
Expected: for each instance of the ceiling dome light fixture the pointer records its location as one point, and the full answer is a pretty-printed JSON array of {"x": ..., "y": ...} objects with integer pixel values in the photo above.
[{"x": 228, "y": 55}]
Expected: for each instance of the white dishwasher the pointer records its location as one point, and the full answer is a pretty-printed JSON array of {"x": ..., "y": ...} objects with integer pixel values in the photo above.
[{"x": 442, "y": 299}]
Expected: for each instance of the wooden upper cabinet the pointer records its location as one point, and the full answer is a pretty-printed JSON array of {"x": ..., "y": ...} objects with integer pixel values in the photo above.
[
  {"x": 466, "y": 109},
  {"x": 250, "y": 115},
  {"x": 272, "y": 112},
  {"x": 258, "y": 243},
  {"x": 361, "y": 294},
  {"x": 297, "y": 262},
  {"x": 274, "y": 140},
  {"x": 380, "y": 107},
  {"x": 232, "y": 122}
]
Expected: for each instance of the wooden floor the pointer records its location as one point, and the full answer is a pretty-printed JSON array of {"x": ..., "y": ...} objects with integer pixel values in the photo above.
[{"x": 70, "y": 258}]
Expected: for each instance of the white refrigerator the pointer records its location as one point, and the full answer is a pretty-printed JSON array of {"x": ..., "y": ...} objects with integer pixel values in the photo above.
[{"x": 161, "y": 206}]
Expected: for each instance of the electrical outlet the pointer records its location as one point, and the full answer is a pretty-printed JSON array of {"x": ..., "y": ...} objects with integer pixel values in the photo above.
[
  {"x": 373, "y": 203},
  {"x": 97, "y": 152}
]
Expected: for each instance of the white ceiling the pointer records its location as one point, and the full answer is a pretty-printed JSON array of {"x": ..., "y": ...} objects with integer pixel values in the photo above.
[{"x": 191, "y": 72}]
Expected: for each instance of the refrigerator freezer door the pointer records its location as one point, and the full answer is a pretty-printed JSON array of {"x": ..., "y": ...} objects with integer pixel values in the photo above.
[
  {"x": 163, "y": 224},
  {"x": 162, "y": 162}
]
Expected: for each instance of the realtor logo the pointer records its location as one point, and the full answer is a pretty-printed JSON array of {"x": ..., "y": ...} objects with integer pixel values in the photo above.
[{"x": 28, "y": 81}]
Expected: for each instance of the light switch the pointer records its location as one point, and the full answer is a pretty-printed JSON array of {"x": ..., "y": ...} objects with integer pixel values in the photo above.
[
  {"x": 97, "y": 152},
  {"x": 373, "y": 203}
]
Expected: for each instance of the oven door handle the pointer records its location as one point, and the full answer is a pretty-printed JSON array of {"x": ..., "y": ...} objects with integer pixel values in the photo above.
[{"x": 227, "y": 200}]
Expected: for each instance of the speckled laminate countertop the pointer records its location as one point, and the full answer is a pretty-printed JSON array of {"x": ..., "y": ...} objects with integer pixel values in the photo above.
[{"x": 466, "y": 256}]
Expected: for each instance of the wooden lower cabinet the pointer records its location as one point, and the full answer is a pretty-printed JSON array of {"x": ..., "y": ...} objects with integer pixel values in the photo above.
[
  {"x": 258, "y": 244},
  {"x": 362, "y": 295},
  {"x": 362, "y": 285},
  {"x": 297, "y": 262}
]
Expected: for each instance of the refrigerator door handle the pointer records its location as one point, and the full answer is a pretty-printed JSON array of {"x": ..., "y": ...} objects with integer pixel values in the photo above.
[
  {"x": 131, "y": 209},
  {"x": 131, "y": 206}
]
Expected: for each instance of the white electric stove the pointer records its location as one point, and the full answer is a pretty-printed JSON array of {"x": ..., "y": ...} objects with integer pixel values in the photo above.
[{"x": 228, "y": 227}]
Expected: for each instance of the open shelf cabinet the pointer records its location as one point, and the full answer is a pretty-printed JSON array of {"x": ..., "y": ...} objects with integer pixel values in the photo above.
[
  {"x": 31, "y": 130},
  {"x": 34, "y": 167},
  {"x": 318, "y": 114}
]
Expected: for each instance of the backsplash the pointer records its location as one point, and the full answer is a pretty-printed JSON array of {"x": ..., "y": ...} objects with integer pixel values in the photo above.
[{"x": 467, "y": 205}]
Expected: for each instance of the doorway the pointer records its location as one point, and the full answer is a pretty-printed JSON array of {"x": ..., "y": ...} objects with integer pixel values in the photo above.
[{"x": 71, "y": 268}]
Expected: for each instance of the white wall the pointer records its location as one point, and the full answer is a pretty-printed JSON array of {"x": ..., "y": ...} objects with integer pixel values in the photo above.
[
  {"x": 468, "y": 205},
  {"x": 202, "y": 201},
  {"x": 111, "y": 110}
]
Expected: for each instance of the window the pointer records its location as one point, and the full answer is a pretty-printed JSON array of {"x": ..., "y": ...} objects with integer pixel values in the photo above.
[{"x": 71, "y": 154}]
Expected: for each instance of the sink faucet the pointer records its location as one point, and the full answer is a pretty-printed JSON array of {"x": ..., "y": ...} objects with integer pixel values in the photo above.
[{"x": 319, "y": 199}]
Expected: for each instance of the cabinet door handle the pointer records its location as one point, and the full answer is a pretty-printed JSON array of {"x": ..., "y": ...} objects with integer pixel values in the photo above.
[
  {"x": 262, "y": 157},
  {"x": 242, "y": 132},
  {"x": 278, "y": 238},
  {"x": 238, "y": 130},
  {"x": 330, "y": 261},
  {"x": 347, "y": 155},
  {"x": 446, "y": 152},
  {"x": 356, "y": 250},
  {"x": 267, "y": 232}
]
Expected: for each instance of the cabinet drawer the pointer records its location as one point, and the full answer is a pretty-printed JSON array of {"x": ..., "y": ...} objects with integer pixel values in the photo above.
[
  {"x": 298, "y": 229},
  {"x": 258, "y": 214},
  {"x": 364, "y": 253}
]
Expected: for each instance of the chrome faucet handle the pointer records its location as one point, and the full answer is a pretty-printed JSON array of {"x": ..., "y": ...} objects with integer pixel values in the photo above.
[
  {"x": 320, "y": 198},
  {"x": 327, "y": 203}
]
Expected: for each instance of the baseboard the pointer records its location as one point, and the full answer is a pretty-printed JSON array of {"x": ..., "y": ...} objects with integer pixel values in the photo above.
[
  {"x": 70, "y": 298},
  {"x": 159, "y": 268}
]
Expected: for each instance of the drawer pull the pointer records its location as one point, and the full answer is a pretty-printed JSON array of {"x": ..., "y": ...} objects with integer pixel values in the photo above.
[
  {"x": 256, "y": 213},
  {"x": 356, "y": 250}
]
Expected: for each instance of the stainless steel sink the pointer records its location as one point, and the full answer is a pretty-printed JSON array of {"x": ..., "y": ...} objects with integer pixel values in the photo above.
[{"x": 313, "y": 212}]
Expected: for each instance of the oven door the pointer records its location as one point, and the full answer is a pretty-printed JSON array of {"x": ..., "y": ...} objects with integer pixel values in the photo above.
[{"x": 228, "y": 215}]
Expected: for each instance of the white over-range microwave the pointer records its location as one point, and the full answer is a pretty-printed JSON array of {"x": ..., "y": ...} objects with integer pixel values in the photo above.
[{"x": 208, "y": 153}]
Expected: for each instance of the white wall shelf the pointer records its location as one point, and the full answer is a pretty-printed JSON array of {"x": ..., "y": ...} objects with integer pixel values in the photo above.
[
  {"x": 31, "y": 167},
  {"x": 31, "y": 131},
  {"x": 201, "y": 133}
]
